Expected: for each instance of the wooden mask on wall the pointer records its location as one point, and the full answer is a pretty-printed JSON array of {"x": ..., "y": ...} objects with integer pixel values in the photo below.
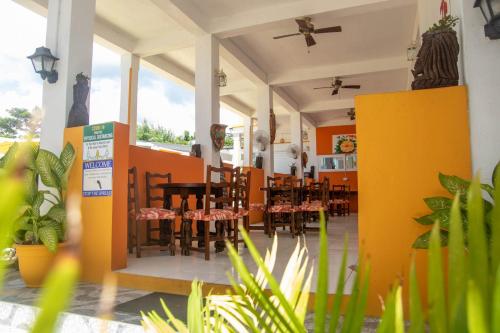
[{"x": 272, "y": 126}]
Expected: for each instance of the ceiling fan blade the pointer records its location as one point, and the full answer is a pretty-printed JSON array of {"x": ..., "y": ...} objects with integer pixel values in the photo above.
[
  {"x": 352, "y": 86},
  {"x": 289, "y": 35},
  {"x": 323, "y": 88},
  {"x": 302, "y": 23},
  {"x": 329, "y": 29},
  {"x": 310, "y": 40},
  {"x": 335, "y": 92}
]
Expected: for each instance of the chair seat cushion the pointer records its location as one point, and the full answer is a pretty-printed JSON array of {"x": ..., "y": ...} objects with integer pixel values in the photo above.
[
  {"x": 284, "y": 209},
  {"x": 339, "y": 201},
  {"x": 313, "y": 206},
  {"x": 257, "y": 207},
  {"x": 155, "y": 214},
  {"x": 214, "y": 215}
]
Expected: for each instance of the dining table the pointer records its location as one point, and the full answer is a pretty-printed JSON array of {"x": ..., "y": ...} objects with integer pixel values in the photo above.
[{"x": 185, "y": 190}]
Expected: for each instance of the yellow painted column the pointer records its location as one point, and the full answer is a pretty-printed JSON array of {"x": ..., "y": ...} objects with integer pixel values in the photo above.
[{"x": 404, "y": 140}]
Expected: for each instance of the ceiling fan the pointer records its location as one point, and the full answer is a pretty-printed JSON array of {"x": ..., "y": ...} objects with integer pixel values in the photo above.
[
  {"x": 337, "y": 84},
  {"x": 306, "y": 28}
]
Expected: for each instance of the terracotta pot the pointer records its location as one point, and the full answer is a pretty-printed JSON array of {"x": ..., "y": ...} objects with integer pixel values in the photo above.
[{"x": 35, "y": 261}]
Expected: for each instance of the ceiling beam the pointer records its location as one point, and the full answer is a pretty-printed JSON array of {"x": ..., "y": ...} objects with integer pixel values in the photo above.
[
  {"x": 237, "y": 106},
  {"x": 235, "y": 86},
  {"x": 169, "y": 41},
  {"x": 309, "y": 120},
  {"x": 285, "y": 100},
  {"x": 242, "y": 62},
  {"x": 259, "y": 18},
  {"x": 334, "y": 104},
  {"x": 185, "y": 14},
  {"x": 309, "y": 73}
]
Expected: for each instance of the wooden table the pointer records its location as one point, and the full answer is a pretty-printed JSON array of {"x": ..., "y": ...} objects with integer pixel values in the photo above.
[{"x": 184, "y": 190}]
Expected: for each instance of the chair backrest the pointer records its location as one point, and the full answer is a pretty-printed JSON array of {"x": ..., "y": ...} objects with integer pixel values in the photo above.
[
  {"x": 224, "y": 192},
  {"x": 340, "y": 191},
  {"x": 133, "y": 191},
  {"x": 243, "y": 188},
  {"x": 152, "y": 187},
  {"x": 281, "y": 191}
]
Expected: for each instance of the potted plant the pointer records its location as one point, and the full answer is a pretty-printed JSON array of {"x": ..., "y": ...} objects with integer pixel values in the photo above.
[
  {"x": 437, "y": 60},
  {"x": 40, "y": 229}
]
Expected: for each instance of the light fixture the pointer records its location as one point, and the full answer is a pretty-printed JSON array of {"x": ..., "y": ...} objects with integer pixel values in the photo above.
[
  {"x": 222, "y": 78},
  {"x": 411, "y": 51},
  {"x": 43, "y": 62},
  {"x": 352, "y": 114},
  {"x": 491, "y": 13}
]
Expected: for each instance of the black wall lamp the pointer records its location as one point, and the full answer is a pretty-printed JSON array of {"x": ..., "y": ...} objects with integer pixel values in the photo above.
[
  {"x": 491, "y": 12},
  {"x": 43, "y": 62}
]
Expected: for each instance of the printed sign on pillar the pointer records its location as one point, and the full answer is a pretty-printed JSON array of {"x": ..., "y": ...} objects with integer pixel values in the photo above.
[{"x": 98, "y": 160}]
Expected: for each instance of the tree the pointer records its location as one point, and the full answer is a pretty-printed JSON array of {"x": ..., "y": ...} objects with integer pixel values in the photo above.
[{"x": 19, "y": 122}]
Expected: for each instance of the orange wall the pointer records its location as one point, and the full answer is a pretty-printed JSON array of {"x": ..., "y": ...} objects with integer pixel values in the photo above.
[
  {"x": 404, "y": 140},
  {"x": 104, "y": 219},
  {"x": 256, "y": 195},
  {"x": 184, "y": 169},
  {"x": 324, "y": 146},
  {"x": 324, "y": 143}
]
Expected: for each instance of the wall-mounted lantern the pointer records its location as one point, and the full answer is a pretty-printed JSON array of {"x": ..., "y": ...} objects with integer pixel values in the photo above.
[
  {"x": 43, "y": 62},
  {"x": 221, "y": 77},
  {"x": 491, "y": 13}
]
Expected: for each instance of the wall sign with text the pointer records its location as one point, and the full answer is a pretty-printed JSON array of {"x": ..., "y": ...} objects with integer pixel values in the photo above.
[{"x": 98, "y": 160}]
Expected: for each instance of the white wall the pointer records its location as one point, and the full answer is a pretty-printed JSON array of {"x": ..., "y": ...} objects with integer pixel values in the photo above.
[{"x": 482, "y": 76}]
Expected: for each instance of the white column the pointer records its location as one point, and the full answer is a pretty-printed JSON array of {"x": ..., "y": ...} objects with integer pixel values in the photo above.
[
  {"x": 237, "y": 149},
  {"x": 264, "y": 106},
  {"x": 70, "y": 28},
  {"x": 482, "y": 76},
  {"x": 206, "y": 95},
  {"x": 313, "y": 159},
  {"x": 296, "y": 139},
  {"x": 128, "y": 94},
  {"x": 247, "y": 141}
]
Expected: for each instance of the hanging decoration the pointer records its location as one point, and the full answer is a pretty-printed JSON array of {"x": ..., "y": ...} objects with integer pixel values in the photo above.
[
  {"x": 437, "y": 60},
  {"x": 272, "y": 126},
  {"x": 78, "y": 114},
  {"x": 218, "y": 135}
]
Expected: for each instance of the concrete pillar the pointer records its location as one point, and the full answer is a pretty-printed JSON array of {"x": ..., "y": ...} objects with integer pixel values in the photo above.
[
  {"x": 207, "y": 107},
  {"x": 247, "y": 141},
  {"x": 128, "y": 95},
  {"x": 313, "y": 158},
  {"x": 482, "y": 76},
  {"x": 70, "y": 29},
  {"x": 296, "y": 139},
  {"x": 237, "y": 161},
  {"x": 264, "y": 106}
]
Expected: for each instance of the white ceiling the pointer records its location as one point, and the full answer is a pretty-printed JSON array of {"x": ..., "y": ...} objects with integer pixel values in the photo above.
[{"x": 368, "y": 51}]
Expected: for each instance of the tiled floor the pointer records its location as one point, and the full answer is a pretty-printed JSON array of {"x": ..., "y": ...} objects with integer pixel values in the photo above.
[{"x": 161, "y": 264}]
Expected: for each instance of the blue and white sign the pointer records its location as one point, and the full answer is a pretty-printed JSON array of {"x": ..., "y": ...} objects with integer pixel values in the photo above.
[{"x": 98, "y": 160}]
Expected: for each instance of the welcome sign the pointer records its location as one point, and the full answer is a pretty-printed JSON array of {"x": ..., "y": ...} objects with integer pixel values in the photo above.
[{"x": 98, "y": 160}]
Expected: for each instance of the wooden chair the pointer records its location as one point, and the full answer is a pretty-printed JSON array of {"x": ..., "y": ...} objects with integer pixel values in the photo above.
[
  {"x": 341, "y": 200},
  {"x": 136, "y": 215},
  {"x": 243, "y": 188},
  {"x": 222, "y": 194},
  {"x": 153, "y": 197},
  {"x": 317, "y": 200},
  {"x": 282, "y": 205}
]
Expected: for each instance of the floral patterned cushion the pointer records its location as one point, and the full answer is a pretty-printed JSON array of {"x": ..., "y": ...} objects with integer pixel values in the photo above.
[
  {"x": 284, "y": 209},
  {"x": 313, "y": 206},
  {"x": 214, "y": 215},
  {"x": 257, "y": 207},
  {"x": 155, "y": 214},
  {"x": 339, "y": 201}
]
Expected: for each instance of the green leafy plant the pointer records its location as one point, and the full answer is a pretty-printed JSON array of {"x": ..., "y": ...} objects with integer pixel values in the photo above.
[
  {"x": 446, "y": 23},
  {"x": 34, "y": 226},
  {"x": 440, "y": 207},
  {"x": 249, "y": 307}
]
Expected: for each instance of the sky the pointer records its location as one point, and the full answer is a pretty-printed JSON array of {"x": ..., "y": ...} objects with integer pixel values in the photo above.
[{"x": 160, "y": 101}]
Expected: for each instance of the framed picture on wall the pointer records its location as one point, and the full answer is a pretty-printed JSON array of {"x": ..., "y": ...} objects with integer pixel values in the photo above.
[{"x": 344, "y": 144}]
